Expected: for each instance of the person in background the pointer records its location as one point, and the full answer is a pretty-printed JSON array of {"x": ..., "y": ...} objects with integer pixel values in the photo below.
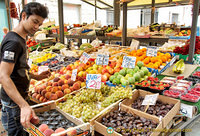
[
  {"x": 5, "y": 31},
  {"x": 14, "y": 75}
]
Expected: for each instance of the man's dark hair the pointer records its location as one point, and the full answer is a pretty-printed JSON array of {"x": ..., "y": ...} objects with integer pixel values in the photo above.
[{"x": 35, "y": 8}]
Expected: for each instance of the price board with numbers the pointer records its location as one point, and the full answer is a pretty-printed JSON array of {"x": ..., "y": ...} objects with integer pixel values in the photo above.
[
  {"x": 93, "y": 81},
  {"x": 150, "y": 99},
  {"x": 84, "y": 58},
  {"x": 152, "y": 51},
  {"x": 128, "y": 62},
  {"x": 102, "y": 59},
  {"x": 74, "y": 74}
]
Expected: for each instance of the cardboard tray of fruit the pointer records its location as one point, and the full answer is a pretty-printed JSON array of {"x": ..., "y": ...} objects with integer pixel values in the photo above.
[
  {"x": 165, "y": 108},
  {"x": 54, "y": 122},
  {"x": 122, "y": 120}
]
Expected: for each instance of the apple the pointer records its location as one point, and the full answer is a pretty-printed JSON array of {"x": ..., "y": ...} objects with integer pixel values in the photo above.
[{"x": 104, "y": 78}]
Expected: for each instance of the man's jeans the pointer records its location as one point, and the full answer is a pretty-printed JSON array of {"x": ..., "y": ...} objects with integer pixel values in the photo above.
[{"x": 11, "y": 119}]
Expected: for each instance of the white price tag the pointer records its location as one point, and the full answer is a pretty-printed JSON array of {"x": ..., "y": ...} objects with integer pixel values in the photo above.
[
  {"x": 99, "y": 60},
  {"x": 93, "y": 81},
  {"x": 84, "y": 58},
  {"x": 186, "y": 110},
  {"x": 102, "y": 59},
  {"x": 150, "y": 99},
  {"x": 30, "y": 61},
  {"x": 74, "y": 74},
  {"x": 152, "y": 51},
  {"x": 128, "y": 62},
  {"x": 42, "y": 69},
  {"x": 106, "y": 60}
]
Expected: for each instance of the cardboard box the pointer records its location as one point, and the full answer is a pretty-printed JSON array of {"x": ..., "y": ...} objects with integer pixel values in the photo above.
[
  {"x": 50, "y": 106},
  {"x": 168, "y": 117},
  {"x": 104, "y": 130}
]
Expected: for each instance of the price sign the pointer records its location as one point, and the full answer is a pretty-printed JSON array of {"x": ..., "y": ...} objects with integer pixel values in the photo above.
[
  {"x": 102, "y": 59},
  {"x": 186, "y": 110},
  {"x": 93, "y": 81},
  {"x": 150, "y": 99},
  {"x": 84, "y": 58},
  {"x": 74, "y": 73},
  {"x": 30, "y": 61},
  {"x": 106, "y": 60},
  {"x": 128, "y": 62},
  {"x": 152, "y": 51},
  {"x": 99, "y": 60},
  {"x": 42, "y": 69}
]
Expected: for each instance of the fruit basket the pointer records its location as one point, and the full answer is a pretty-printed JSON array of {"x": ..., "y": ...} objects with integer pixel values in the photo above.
[
  {"x": 53, "y": 121},
  {"x": 168, "y": 107},
  {"x": 110, "y": 123}
]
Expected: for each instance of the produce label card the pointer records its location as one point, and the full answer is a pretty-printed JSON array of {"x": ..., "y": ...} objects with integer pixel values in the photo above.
[
  {"x": 84, "y": 58},
  {"x": 106, "y": 60},
  {"x": 152, "y": 51},
  {"x": 128, "y": 62},
  {"x": 186, "y": 110},
  {"x": 42, "y": 69},
  {"x": 74, "y": 73},
  {"x": 99, "y": 60},
  {"x": 150, "y": 99},
  {"x": 93, "y": 81}
]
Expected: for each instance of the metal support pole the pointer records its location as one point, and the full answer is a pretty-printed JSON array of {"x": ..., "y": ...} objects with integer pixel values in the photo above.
[
  {"x": 8, "y": 14},
  {"x": 95, "y": 9},
  {"x": 141, "y": 18},
  {"x": 193, "y": 30},
  {"x": 116, "y": 12},
  {"x": 152, "y": 11},
  {"x": 124, "y": 29},
  {"x": 61, "y": 22}
]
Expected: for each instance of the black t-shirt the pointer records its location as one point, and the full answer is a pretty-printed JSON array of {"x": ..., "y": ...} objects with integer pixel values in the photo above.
[{"x": 13, "y": 50}]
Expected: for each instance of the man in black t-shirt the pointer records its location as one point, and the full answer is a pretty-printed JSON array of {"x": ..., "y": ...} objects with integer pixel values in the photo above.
[{"x": 14, "y": 75}]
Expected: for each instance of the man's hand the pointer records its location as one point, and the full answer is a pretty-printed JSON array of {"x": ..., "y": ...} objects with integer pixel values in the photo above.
[
  {"x": 26, "y": 114},
  {"x": 43, "y": 75}
]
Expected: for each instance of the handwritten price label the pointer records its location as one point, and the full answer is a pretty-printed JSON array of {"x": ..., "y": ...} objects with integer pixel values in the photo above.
[
  {"x": 150, "y": 99},
  {"x": 186, "y": 110},
  {"x": 102, "y": 59},
  {"x": 128, "y": 62},
  {"x": 84, "y": 58},
  {"x": 152, "y": 51},
  {"x": 93, "y": 81},
  {"x": 42, "y": 69},
  {"x": 74, "y": 73}
]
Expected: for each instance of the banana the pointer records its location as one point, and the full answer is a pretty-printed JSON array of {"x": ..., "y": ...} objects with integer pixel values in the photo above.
[{"x": 179, "y": 67}]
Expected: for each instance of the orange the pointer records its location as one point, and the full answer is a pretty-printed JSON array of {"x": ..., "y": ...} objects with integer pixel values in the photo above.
[
  {"x": 155, "y": 66},
  {"x": 168, "y": 55},
  {"x": 164, "y": 59},
  {"x": 158, "y": 63},
  {"x": 163, "y": 64},
  {"x": 139, "y": 53},
  {"x": 144, "y": 49},
  {"x": 146, "y": 60},
  {"x": 153, "y": 59}
]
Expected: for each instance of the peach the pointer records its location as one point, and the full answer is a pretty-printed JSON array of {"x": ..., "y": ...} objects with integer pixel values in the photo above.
[
  {"x": 71, "y": 88},
  {"x": 83, "y": 84},
  {"x": 48, "y": 132},
  {"x": 43, "y": 92},
  {"x": 69, "y": 67},
  {"x": 49, "y": 84},
  {"x": 81, "y": 79},
  {"x": 37, "y": 89},
  {"x": 67, "y": 77},
  {"x": 53, "y": 97},
  {"x": 55, "y": 84},
  {"x": 48, "y": 95},
  {"x": 58, "y": 130},
  {"x": 48, "y": 88},
  {"x": 70, "y": 82},
  {"x": 43, "y": 127},
  {"x": 55, "y": 89},
  {"x": 65, "y": 86},
  {"x": 44, "y": 100},
  {"x": 34, "y": 95},
  {"x": 76, "y": 86},
  {"x": 38, "y": 96},
  {"x": 41, "y": 98},
  {"x": 60, "y": 82},
  {"x": 72, "y": 132},
  {"x": 56, "y": 79},
  {"x": 59, "y": 94},
  {"x": 59, "y": 88},
  {"x": 67, "y": 91}
]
